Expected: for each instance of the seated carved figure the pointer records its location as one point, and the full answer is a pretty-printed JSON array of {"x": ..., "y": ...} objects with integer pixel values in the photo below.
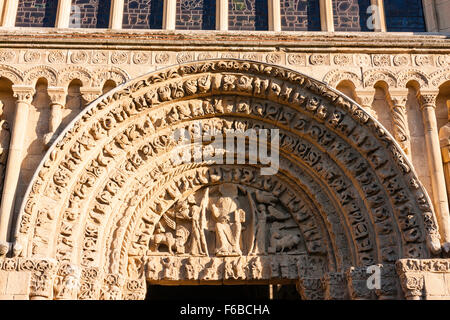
[{"x": 229, "y": 219}]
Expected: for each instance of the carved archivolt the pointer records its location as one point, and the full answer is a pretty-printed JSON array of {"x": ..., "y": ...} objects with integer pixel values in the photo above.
[
  {"x": 68, "y": 74},
  {"x": 412, "y": 75},
  {"x": 13, "y": 74},
  {"x": 102, "y": 75},
  {"x": 32, "y": 75},
  {"x": 438, "y": 78},
  {"x": 371, "y": 77},
  {"x": 108, "y": 195},
  {"x": 333, "y": 78}
]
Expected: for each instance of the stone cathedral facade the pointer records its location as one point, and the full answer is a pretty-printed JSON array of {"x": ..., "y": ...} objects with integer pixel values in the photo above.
[{"x": 94, "y": 206}]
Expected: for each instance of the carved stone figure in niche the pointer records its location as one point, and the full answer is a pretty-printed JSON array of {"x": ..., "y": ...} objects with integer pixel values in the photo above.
[
  {"x": 229, "y": 219},
  {"x": 5, "y": 136},
  {"x": 258, "y": 227},
  {"x": 170, "y": 268},
  {"x": 189, "y": 210}
]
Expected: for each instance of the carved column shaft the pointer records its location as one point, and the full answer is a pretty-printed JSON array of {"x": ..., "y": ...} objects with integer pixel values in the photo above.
[
  {"x": 116, "y": 15},
  {"x": 274, "y": 15},
  {"x": 169, "y": 14},
  {"x": 444, "y": 137},
  {"x": 24, "y": 97},
  {"x": 63, "y": 14},
  {"x": 58, "y": 99},
  {"x": 400, "y": 120},
  {"x": 326, "y": 15},
  {"x": 222, "y": 15},
  {"x": 10, "y": 13},
  {"x": 440, "y": 201}
]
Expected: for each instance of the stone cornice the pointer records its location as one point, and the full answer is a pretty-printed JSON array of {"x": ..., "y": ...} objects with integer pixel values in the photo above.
[{"x": 211, "y": 40}]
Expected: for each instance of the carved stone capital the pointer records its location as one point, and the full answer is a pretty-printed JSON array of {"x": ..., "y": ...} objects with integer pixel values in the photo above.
[
  {"x": 366, "y": 97},
  {"x": 411, "y": 273},
  {"x": 397, "y": 98},
  {"x": 427, "y": 99},
  {"x": 57, "y": 95},
  {"x": 23, "y": 93},
  {"x": 90, "y": 94},
  {"x": 42, "y": 276},
  {"x": 113, "y": 287}
]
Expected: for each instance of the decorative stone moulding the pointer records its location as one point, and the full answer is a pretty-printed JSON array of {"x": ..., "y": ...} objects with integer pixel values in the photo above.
[{"x": 109, "y": 197}]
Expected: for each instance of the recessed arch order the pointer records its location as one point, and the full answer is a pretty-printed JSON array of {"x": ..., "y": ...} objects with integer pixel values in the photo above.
[{"x": 109, "y": 185}]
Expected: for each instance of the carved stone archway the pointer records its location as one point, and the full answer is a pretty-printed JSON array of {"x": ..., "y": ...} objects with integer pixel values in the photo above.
[{"x": 108, "y": 197}]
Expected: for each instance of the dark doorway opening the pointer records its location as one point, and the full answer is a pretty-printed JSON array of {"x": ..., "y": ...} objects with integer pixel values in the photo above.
[{"x": 221, "y": 292}]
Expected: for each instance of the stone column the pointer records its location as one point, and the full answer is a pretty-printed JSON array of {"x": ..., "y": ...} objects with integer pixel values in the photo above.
[
  {"x": 10, "y": 13},
  {"x": 222, "y": 15},
  {"x": 326, "y": 15},
  {"x": 58, "y": 101},
  {"x": 380, "y": 15},
  {"x": 397, "y": 102},
  {"x": 116, "y": 15},
  {"x": 24, "y": 97},
  {"x": 365, "y": 98},
  {"x": 169, "y": 14},
  {"x": 427, "y": 102},
  {"x": 63, "y": 14},
  {"x": 274, "y": 15},
  {"x": 444, "y": 139}
]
